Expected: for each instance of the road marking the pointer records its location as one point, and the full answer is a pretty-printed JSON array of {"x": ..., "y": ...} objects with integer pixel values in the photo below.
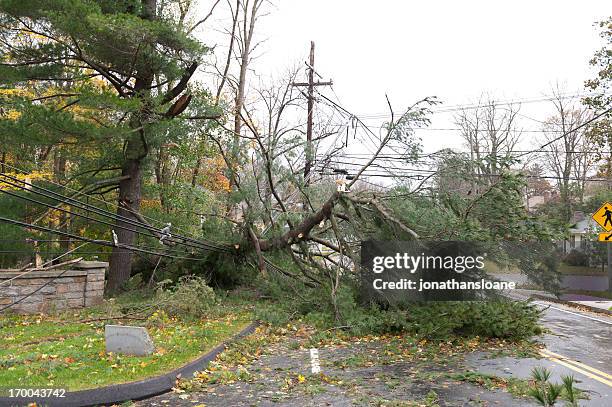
[
  {"x": 314, "y": 361},
  {"x": 577, "y": 369},
  {"x": 573, "y": 313},
  {"x": 579, "y": 364}
]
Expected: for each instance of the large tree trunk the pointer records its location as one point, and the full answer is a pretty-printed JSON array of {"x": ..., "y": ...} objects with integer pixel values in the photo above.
[
  {"x": 130, "y": 188},
  {"x": 130, "y": 193}
]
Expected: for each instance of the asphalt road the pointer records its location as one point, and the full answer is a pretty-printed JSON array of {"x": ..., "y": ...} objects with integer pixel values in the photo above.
[
  {"x": 582, "y": 343},
  {"x": 578, "y": 344}
]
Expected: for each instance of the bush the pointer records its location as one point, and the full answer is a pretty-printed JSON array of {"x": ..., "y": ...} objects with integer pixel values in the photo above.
[
  {"x": 433, "y": 320},
  {"x": 576, "y": 258},
  {"x": 191, "y": 296},
  {"x": 439, "y": 320}
]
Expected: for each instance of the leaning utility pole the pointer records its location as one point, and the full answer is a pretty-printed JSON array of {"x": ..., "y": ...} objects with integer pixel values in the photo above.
[{"x": 310, "y": 84}]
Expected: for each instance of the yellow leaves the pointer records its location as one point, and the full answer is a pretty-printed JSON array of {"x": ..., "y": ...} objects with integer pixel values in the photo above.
[
  {"x": 12, "y": 115},
  {"x": 15, "y": 92},
  {"x": 202, "y": 377},
  {"x": 150, "y": 204}
]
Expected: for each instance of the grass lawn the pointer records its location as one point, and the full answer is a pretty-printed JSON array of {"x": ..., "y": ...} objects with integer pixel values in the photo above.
[
  {"x": 61, "y": 352},
  {"x": 580, "y": 270}
]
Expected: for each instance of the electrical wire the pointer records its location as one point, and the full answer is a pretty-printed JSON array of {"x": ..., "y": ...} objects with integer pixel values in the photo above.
[
  {"x": 104, "y": 202},
  {"x": 94, "y": 241},
  {"x": 102, "y": 212},
  {"x": 146, "y": 233},
  {"x": 460, "y": 107}
]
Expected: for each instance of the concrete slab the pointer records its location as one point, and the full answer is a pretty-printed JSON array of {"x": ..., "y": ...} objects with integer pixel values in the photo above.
[{"x": 128, "y": 340}]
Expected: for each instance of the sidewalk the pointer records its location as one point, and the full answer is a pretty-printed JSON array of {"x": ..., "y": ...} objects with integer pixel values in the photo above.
[{"x": 595, "y": 304}]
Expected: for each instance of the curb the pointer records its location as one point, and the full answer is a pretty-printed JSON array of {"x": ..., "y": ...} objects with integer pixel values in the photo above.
[
  {"x": 118, "y": 393},
  {"x": 572, "y": 304}
]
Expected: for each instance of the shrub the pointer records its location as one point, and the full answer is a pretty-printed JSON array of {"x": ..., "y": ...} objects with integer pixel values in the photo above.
[
  {"x": 432, "y": 320},
  {"x": 191, "y": 296},
  {"x": 576, "y": 258}
]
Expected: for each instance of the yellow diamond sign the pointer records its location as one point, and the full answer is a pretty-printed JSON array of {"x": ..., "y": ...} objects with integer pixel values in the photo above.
[
  {"x": 603, "y": 216},
  {"x": 605, "y": 237}
]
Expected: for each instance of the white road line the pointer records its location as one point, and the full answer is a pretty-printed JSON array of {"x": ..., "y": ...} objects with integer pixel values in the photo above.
[
  {"x": 314, "y": 361},
  {"x": 573, "y": 313}
]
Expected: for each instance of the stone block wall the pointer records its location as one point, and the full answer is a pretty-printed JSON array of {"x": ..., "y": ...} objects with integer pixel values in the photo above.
[{"x": 80, "y": 286}]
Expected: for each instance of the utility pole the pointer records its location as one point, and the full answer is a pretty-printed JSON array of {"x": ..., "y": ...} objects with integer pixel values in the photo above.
[{"x": 311, "y": 85}]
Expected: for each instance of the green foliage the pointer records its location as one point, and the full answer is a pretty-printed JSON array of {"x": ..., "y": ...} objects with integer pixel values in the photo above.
[
  {"x": 191, "y": 296},
  {"x": 602, "y": 61},
  {"x": 433, "y": 320},
  {"x": 548, "y": 394},
  {"x": 576, "y": 258}
]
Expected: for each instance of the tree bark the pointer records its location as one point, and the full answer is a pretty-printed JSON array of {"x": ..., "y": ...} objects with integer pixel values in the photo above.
[
  {"x": 130, "y": 188},
  {"x": 130, "y": 193},
  {"x": 301, "y": 231}
]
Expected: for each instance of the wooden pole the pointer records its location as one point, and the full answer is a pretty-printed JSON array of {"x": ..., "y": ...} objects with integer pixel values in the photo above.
[
  {"x": 309, "y": 123},
  {"x": 309, "y": 146}
]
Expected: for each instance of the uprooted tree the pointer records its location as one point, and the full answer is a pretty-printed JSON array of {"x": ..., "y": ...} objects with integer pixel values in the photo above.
[
  {"x": 119, "y": 75},
  {"x": 316, "y": 226}
]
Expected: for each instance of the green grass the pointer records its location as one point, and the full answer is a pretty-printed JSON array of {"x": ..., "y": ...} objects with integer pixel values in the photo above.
[
  {"x": 57, "y": 351},
  {"x": 580, "y": 270}
]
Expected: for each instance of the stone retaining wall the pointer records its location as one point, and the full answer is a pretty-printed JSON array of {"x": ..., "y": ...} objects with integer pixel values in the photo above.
[{"x": 80, "y": 286}]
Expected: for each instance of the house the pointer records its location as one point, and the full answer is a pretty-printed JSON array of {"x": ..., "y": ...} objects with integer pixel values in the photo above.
[{"x": 581, "y": 233}]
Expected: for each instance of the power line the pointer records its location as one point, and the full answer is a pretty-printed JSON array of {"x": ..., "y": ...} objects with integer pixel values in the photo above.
[
  {"x": 42, "y": 266},
  {"x": 453, "y": 108},
  {"x": 460, "y": 129},
  {"x": 405, "y": 170},
  {"x": 420, "y": 172},
  {"x": 146, "y": 233},
  {"x": 104, "y": 202},
  {"x": 102, "y": 212},
  {"x": 433, "y": 154},
  {"x": 586, "y": 123},
  {"x": 94, "y": 241},
  {"x": 525, "y": 152}
]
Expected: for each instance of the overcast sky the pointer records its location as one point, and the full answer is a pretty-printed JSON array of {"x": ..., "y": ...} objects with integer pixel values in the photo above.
[{"x": 455, "y": 50}]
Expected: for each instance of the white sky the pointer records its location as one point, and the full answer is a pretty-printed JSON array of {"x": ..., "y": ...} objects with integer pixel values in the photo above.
[{"x": 455, "y": 50}]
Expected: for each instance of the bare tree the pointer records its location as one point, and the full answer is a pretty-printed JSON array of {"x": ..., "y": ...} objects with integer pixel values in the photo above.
[
  {"x": 491, "y": 134},
  {"x": 567, "y": 154}
]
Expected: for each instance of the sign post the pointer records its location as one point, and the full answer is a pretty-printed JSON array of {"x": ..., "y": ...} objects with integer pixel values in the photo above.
[{"x": 603, "y": 217}]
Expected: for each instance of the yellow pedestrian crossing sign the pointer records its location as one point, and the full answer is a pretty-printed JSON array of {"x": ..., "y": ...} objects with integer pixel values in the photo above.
[{"x": 603, "y": 216}]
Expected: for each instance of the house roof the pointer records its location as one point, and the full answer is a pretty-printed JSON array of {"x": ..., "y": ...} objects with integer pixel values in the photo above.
[{"x": 586, "y": 225}]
